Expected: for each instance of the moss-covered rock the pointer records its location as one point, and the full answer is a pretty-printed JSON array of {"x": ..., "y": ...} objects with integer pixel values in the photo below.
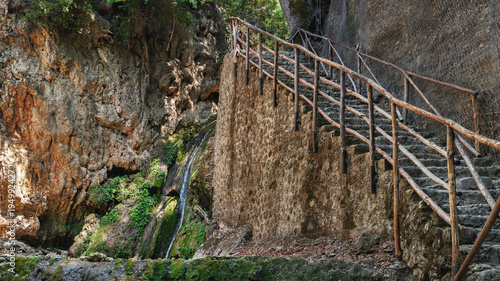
[
  {"x": 265, "y": 268},
  {"x": 153, "y": 243},
  {"x": 190, "y": 237},
  {"x": 210, "y": 268},
  {"x": 21, "y": 269}
]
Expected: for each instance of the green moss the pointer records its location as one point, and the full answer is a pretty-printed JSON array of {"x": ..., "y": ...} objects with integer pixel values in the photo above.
[
  {"x": 264, "y": 268},
  {"x": 177, "y": 270},
  {"x": 167, "y": 227},
  {"x": 23, "y": 266},
  {"x": 119, "y": 262},
  {"x": 181, "y": 138},
  {"x": 112, "y": 217},
  {"x": 57, "y": 274},
  {"x": 129, "y": 267},
  {"x": 97, "y": 243},
  {"x": 190, "y": 238},
  {"x": 155, "y": 270}
]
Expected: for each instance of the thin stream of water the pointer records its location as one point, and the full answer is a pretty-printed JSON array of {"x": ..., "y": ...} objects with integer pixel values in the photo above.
[{"x": 183, "y": 194}]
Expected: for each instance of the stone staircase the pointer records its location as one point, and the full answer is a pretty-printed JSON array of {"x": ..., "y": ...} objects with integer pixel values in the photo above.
[{"x": 473, "y": 210}]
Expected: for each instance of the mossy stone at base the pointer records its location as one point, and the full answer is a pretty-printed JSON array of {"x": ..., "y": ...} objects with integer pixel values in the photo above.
[
  {"x": 190, "y": 238},
  {"x": 177, "y": 270},
  {"x": 265, "y": 268},
  {"x": 23, "y": 267},
  {"x": 167, "y": 227}
]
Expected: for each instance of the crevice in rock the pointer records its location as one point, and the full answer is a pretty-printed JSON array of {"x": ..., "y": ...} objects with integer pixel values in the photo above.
[{"x": 118, "y": 172}]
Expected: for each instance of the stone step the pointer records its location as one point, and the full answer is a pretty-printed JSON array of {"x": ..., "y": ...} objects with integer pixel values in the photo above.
[
  {"x": 464, "y": 198},
  {"x": 470, "y": 235},
  {"x": 475, "y": 210},
  {"x": 407, "y": 162},
  {"x": 413, "y": 148},
  {"x": 483, "y": 271},
  {"x": 476, "y": 222},
  {"x": 468, "y": 183},
  {"x": 462, "y": 174},
  {"x": 472, "y": 207},
  {"x": 489, "y": 253}
]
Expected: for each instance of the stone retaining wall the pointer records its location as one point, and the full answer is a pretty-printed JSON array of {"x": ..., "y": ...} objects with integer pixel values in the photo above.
[{"x": 266, "y": 175}]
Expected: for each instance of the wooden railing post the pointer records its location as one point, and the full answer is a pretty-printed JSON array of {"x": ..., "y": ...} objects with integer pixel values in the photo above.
[
  {"x": 475, "y": 111},
  {"x": 455, "y": 255},
  {"x": 248, "y": 56},
  {"x": 296, "y": 88},
  {"x": 275, "y": 75},
  {"x": 405, "y": 99},
  {"x": 479, "y": 241},
  {"x": 342, "y": 123},
  {"x": 373, "y": 182},
  {"x": 330, "y": 58},
  {"x": 235, "y": 59},
  {"x": 261, "y": 78},
  {"x": 359, "y": 71},
  {"x": 395, "y": 175},
  {"x": 231, "y": 30},
  {"x": 306, "y": 46},
  {"x": 315, "y": 107}
]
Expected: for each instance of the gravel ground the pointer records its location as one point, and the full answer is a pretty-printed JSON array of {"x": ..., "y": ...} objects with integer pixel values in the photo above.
[{"x": 380, "y": 259}]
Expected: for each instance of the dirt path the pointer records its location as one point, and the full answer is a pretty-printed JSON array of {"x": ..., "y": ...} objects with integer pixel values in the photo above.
[{"x": 379, "y": 259}]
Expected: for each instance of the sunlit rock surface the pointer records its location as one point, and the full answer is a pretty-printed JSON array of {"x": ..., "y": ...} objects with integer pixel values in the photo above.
[{"x": 73, "y": 113}]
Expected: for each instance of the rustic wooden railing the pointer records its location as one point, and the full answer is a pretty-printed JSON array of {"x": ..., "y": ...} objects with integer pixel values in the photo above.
[
  {"x": 241, "y": 44},
  {"x": 460, "y": 143}
]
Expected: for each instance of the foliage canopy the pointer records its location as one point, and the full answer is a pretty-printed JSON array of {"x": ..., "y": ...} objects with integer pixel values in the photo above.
[{"x": 264, "y": 14}]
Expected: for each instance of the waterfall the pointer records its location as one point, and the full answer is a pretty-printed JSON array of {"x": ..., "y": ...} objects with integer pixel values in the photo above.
[{"x": 183, "y": 194}]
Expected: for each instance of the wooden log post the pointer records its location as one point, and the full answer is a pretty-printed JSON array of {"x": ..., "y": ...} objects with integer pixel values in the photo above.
[
  {"x": 261, "y": 77},
  {"x": 359, "y": 71},
  {"x": 235, "y": 59},
  {"x": 342, "y": 123},
  {"x": 475, "y": 111},
  {"x": 275, "y": 74},
  {"x": 395, "y": 175},
  {"x": 231, "y": 30},
  {"x": 405, "y": 99},
  {"x": 306, "y": 46},
  {"x": 330, "y": 58},
  {"x": 455, "y": 254},
  {"x": 247, "y": 63},
  {"x": 373, "y": 182},
  {"x": 315, "y": 107},
  {"x": 296, "y": 89},
  {"x": 479, "y": 241}
]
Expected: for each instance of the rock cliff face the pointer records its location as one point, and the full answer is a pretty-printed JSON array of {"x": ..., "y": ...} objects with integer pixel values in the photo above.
[{"x": 73, "y": 113}]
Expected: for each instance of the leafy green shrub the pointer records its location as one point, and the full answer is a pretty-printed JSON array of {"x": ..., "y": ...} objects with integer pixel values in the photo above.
[
  {"x": 264, "y": 14},
  {"x": 67, "y": 14},
  {"x": 112, "y": 217},
  {"x": 107, "y": 193},
  {"x": 169, "y": 153},
  {"x": 141, "y": 213}
]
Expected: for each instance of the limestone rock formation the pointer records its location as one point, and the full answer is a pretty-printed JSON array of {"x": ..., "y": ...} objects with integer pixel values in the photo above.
[
  {"x": 298, "y": 13},
  {"x": 72, "y": 114}
]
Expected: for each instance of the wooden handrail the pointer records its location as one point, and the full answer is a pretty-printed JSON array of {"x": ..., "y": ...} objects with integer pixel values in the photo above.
[
  {"x": 443, "y": 120},
  {"x": 452, "y": 86},
  {"x": 453, "y": 136}
]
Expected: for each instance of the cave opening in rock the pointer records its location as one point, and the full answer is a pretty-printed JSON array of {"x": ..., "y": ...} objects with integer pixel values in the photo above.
[
  {"x": 213, "y": 97},
  {"x": 118, "y": 172}
]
